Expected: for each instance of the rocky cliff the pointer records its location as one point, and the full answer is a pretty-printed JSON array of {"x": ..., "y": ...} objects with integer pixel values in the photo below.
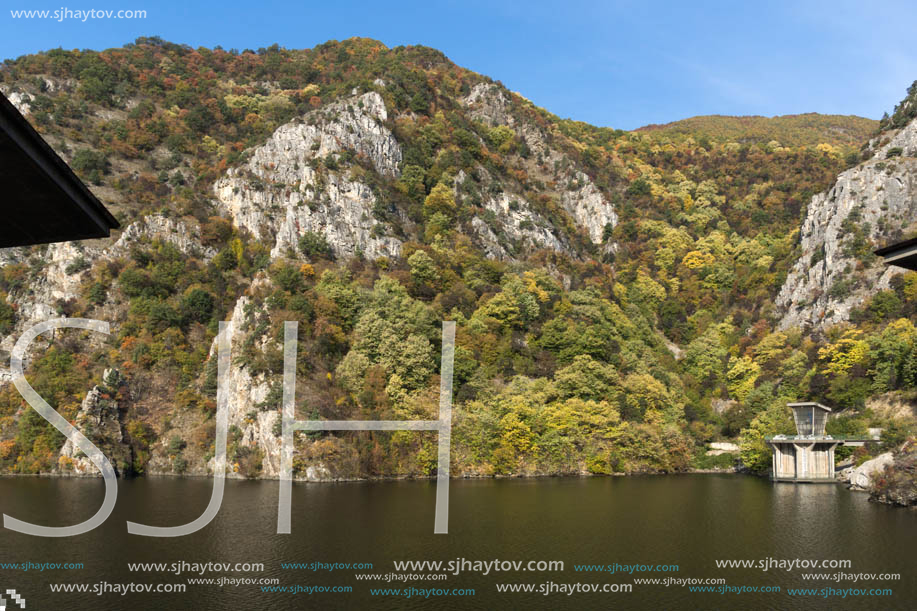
[
  {"x": 868, "y": 205},
  {"x": 99, "y": 419},
  {"x": 303, "y": 180},
  {"x": 896, "y": 483},
  {"x": 317, "y": 174},
  {"x": 66, "y": 266},
  {"x": 283, "y": 191},
  {"x": 577, "y": 194}
]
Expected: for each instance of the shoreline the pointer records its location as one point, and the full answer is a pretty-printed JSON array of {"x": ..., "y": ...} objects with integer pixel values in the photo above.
[
  {"x": 371, "y": 480},
  {"x": 235, "y": 477}
]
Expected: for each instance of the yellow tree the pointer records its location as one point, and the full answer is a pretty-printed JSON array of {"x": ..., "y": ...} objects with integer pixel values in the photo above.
[
  {"x": 849, "y": 350},
  {"x": 440, "y": 199}
]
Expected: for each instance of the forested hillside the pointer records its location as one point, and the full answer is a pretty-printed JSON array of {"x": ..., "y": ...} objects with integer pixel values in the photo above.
[
  {"x": 614, "y": 291},
  {"x": 809, "y": 129}
]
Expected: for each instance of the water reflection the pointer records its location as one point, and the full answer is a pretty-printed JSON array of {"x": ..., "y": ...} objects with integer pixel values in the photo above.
[{"x": 686, "y": 520}]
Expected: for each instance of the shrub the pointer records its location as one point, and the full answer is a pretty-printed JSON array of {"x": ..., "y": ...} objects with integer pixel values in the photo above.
[
  {"x": 216, "y": 231},
  {"x": 179, "y": 464},
  {"x": 841, "y": 289},
  {"x": 288, "y": 278},
  {"x": 92, "y": 165},
  {"x": 895, "y": 434},
  {"x": 135, "y": 283},
  {"x": 638, "y": 188},
  {"x": 7, "y": 315},
  {"x": 162, "y": 317},
  {"x": 719, "y": 461},
  {"x": 197, "y": 306},
  {"x": 315, "y": 246},
  {"x": 77, "y": 265},
  {"x": 97, "y": 293},
  {"x": 176, "y": 445}
]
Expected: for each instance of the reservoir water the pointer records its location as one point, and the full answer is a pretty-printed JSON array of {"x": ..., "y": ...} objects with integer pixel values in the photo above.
[{"x": 690, "y": 521}]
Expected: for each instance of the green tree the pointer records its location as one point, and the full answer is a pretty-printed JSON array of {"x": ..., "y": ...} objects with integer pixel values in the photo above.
[
  {"x": 351, "y": 371},
  {"x": 588, "y": 379},
  {"x": 197, "y": 306},
  {"x": 645, "y": 397},
  {"x": 315, "y": 245},
  {"x": 441, "y": 200},
  {"x": 423, "y": 268},
  {"x": 775, "y": 420},
  {"x": 705, "y": 357},
  {"x": 90, "y": 164},
  {"x": 411, "y": 359},
  {"x": 7, "y": 315},
  {"x": 741, "y": 377}
]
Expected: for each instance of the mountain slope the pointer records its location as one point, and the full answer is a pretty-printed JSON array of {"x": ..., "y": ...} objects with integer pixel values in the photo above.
[
  {"x": 808, "y": 129},
  {"x": 613, "y": 291},
  {"x": 868, "y": 206}
]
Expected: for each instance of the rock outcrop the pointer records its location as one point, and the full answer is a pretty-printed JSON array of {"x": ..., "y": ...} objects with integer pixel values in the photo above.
[
  {"x": 184, "y": 236},
  {"x": 510, "y": 225},
  {"x": 722, "y": 447},
  {"x": 589, "y": 208},
  {"x": 66, "y": 264},
  {"x": 897, "y": 483},
  {"x": 836, "y": 269},
  {"x": 288, "y": 186},
  {"x": 22, "y": 102},
  {"x": 99, "y": 420},
  {"x": 862, "y": 477},
  {"x": 247, "y": 393},
  {"x": 489, "y": 105},
  {"x": 299, "y": 181},
  {"x": 577, "y": 193},
  {"x": 254, "y": 400}
]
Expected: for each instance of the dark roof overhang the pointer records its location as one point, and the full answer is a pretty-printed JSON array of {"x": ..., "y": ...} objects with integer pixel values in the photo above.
[
  {"x": 903, "y": 254},
  {"x": 41, "y": 198}
]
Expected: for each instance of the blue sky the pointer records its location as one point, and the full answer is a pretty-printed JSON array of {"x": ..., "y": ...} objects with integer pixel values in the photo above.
[{"x": 618, "y": 64}]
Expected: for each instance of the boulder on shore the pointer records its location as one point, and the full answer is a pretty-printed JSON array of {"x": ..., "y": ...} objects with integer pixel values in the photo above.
[
  {"x": 897, "y": 484},
  {"x": 861, "y": 477}
]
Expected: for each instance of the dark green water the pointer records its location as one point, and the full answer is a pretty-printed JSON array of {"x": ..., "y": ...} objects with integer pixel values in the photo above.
[{"x": 689, "y": 521}]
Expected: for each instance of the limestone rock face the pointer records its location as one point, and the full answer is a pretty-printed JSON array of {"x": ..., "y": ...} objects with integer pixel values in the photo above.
[
  {"x": 282, "y": 193},
  {"x": 246, "y": 392},
  {"x": 589, "y": 207},
  {"x": 862, "y": 476},
  {"x": 905, "y": 139},
  {"x": 577, "y": 193},
  {"x": 67, "y": 264},
  {"x": 355, "y": 124},
  {"x": 512, "y": 226},
  {"x": 489, "y": 105},
  {"x": 898, "y": 483},
  {"x": 836, "y": 270},
  {"x": 57, "y": 282},
  {"x": 721, "y": 406},
  {"x": 253, "y": 402},
  {"x": 22, "y": 102},
  {"x": 99, "y": 420},
  {"x": 184, "y": 236}
]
